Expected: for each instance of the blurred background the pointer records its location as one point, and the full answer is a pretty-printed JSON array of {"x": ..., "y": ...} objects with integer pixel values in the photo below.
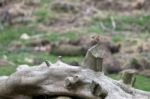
[{"x": 32, "y": 31}]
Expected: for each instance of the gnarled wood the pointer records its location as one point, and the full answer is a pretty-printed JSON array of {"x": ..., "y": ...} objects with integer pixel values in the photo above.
[
  {"x": 50, "y": 81},
  {"x": 94, "y": 58},
  {"x": 61, "y": 80}
]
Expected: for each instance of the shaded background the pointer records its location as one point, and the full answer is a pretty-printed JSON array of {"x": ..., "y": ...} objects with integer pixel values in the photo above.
[{"x": 32, "y": 31}]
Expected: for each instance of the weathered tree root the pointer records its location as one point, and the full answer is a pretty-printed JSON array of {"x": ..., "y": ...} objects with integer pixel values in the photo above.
[{"x": 63, "y": 81}]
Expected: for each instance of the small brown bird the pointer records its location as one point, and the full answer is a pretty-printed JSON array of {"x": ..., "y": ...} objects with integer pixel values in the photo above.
[{"x": 100, "y": 39}]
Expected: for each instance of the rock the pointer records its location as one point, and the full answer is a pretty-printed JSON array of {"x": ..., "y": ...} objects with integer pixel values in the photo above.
[
  {"x": 28, "y": 60},
  {"x": 43, "y": 48},
  {"x": 112, "y": 66},
  {"x": 25, "y": 36}
]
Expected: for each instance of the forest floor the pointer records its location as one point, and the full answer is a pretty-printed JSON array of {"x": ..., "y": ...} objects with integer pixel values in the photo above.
[{"x": 26, "y": 21}]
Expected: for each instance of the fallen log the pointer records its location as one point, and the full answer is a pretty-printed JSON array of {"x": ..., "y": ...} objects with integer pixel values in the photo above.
[
  {"x": 63, "y": 81},
  {"x": 68, "y": 50}
]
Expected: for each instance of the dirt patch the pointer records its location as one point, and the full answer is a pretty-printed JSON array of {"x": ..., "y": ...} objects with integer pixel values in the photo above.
[
  {"x": 79, "y": 14},
  {"x": 16, "y": 13},
  {"x": 67, "y": 14},
  {"x": 119, "y": 5},
  {"x": 75, "y": 14}
]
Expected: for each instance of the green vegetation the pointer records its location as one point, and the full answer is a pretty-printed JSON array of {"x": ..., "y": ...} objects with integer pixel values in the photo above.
[
  {"x": 7, "y": 70},
  {"x": 18, "y": 56},
  {"x": 60, "y": 36},
  {"x": 118, "y": 38},
  {"x": 137, "y": 24},
  {"x": 142, "y": 82},
  {"x": 123, "y": 23},
  {"x": 9, "y": 34}
]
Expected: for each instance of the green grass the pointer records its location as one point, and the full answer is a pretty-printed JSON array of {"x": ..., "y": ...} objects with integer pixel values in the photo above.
[
  {"x": 142, "y": 82},
  {"x": 95, "y": 28},
  {"x": 7, "y": 70},
  {"x": 118, "y": 38},
  {"x": 123, "y": 23},
  {"x": 9, "y": 34},
  {"x": 60, "y": 36},
  {"x": 43, "y": 14},
  {"x": 18, "y": 57},
  {"x": 114, "y": 76}
]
